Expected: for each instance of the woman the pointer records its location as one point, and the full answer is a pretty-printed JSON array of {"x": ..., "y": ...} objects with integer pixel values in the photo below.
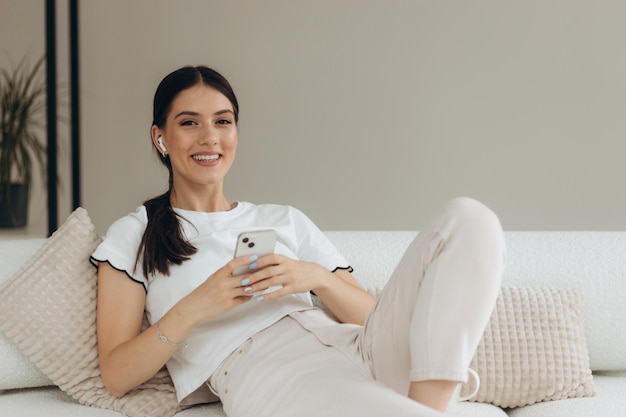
[{"x": 273, "y": 354}]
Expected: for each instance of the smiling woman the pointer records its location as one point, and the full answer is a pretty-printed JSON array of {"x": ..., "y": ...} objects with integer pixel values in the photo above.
[
  {"x": 200, "y": 141},
  {"x": 179, "y": 251}
]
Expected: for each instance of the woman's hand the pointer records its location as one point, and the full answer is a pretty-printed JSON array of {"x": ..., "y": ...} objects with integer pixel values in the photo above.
[
  {"x": 339, "y": 291},
  {"x": 218, "y": 294},
  {"x": 292, "y": 275}
]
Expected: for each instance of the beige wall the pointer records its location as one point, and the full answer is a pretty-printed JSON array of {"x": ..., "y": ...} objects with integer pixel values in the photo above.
[{"x": 368, "y": 114}]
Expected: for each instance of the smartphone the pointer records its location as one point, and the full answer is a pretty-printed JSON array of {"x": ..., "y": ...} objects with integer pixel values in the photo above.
[{"x": 258, "y": 242}]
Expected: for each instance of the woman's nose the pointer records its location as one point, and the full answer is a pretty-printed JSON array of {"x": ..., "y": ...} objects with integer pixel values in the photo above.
[{"x": 208, "y": 136}]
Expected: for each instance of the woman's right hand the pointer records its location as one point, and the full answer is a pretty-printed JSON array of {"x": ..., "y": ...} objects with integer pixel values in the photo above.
[{"x": 219, "y": 293}]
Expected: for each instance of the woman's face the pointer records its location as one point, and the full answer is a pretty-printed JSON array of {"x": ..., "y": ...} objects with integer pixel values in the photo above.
[{"x": 200, "y": 135}]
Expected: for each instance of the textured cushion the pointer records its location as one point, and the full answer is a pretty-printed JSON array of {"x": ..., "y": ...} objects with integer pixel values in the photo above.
[
  {"x": 48, "y": 310},
  {"x": 533, "y": 349}
]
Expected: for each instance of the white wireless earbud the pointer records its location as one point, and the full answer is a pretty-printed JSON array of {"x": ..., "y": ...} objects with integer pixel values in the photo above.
[{"x": 161, "y": 145}]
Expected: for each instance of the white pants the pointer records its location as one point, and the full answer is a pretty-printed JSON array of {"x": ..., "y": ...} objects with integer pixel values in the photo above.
[{"x": 425, "y": 325}]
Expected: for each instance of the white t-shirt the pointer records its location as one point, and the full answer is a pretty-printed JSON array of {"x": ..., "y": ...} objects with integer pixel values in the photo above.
[{"x": 215, "y": 236}]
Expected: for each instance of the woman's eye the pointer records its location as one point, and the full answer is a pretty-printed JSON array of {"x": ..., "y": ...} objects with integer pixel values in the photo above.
[
  {"x": 188, "y": 123},
  {"x": 224, "y": 122}
]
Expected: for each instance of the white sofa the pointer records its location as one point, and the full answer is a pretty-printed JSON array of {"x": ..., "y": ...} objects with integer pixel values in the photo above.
[{"x": 595, "y": 262}]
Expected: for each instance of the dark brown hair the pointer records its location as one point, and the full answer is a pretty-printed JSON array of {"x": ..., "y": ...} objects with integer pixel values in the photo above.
[{"x": 163, "y": 242}]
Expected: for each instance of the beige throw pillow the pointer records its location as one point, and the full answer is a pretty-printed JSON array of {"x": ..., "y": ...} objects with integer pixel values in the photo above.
[
  {"x": 533, "y": 349},
  {"x": 48, "y": 309}
]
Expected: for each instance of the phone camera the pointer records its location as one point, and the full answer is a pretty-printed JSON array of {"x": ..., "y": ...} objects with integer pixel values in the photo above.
[
  {"x": 245, "y": 240},
  {"x": 251, "y": 244}
]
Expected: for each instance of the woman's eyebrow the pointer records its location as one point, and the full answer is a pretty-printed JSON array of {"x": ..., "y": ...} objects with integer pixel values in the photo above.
[
  {"x": 193, "y": 113},
  {"x": 187, "y": 113}
]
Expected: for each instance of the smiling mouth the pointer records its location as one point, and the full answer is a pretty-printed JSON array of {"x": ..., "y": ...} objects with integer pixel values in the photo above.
[{"x": 206, "y": 157}]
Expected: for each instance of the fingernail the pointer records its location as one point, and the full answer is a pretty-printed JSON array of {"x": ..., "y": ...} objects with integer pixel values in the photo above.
[
  {"x": 260, "y": 298},
  {"x": 245, "y": 281},
  {"x": 253, "y": 265},
  {"x": 253, "y": 258},
  {"x": 247, "y": 289}
]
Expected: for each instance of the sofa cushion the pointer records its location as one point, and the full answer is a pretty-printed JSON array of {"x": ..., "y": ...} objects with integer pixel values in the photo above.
[
  {"x": 593, "y": 262},
  {"x": 52, "y": 402},
  {"x": 533, "y": 349},
  {"x": 48, "y": 310},
  {"x": 17, "y": 370},
  {"x": 610, "y": 401}
]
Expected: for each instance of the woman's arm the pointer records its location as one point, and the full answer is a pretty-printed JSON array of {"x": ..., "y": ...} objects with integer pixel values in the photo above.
[
  {"x": 128, "y": 356},
  {"x": 345, "y": 297}
]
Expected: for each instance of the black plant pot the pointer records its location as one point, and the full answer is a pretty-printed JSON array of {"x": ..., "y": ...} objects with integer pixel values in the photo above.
[{"x": 14, "y": 206}]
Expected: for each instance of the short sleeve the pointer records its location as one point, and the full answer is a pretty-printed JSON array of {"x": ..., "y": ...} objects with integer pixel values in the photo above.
[
  {"x": 121, "y": 243},
  {"x": 314, "y": 246}
]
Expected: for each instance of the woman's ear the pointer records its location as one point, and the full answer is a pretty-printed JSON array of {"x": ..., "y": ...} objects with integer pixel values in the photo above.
[{"x": 157, "y": 140}]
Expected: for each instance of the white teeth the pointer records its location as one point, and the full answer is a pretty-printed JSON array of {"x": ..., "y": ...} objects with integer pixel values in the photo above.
[{"x": 205, "y": 157}]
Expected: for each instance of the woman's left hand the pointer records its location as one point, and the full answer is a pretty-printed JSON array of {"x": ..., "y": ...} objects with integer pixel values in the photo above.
[{"x": 294, "y": 276}]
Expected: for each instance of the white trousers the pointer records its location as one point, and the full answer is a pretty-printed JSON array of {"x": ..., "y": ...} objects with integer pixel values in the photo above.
[{"x": 426, "y": 324}]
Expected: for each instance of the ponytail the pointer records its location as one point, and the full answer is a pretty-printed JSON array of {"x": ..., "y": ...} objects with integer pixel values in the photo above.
[{"x": 163, "y": 242}]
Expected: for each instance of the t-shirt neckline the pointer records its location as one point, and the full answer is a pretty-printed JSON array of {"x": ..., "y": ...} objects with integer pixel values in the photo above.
[{"x": 215, "y": 214}]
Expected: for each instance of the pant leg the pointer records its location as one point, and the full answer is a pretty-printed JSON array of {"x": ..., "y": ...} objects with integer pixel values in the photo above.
[
  {"x": 285, "y": 371},
  {"x": 432, "y": 313}
]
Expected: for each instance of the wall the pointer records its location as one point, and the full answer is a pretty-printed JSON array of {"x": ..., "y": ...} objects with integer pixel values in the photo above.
[{"x": 369, "y": 114}]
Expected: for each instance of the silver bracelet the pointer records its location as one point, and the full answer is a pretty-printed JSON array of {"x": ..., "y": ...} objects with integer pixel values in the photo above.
[{"x": 164, "y": 339}]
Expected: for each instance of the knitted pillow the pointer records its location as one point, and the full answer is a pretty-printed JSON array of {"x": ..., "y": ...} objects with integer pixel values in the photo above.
[
  {"x": 48, "y": 309},
  {"x": 533, "y": 349}
]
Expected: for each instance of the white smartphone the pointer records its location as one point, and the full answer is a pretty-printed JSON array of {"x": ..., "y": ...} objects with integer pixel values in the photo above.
[{"x": 258, "y": 242}]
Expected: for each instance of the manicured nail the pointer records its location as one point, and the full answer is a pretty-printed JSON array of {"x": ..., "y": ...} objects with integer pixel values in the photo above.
[
  {"x": 260, "y": 298},
  {"x": 253, "y": 265},
  {"x": 247, "y": 289},
  {"x": 253, "y": 258},
  {"x": 245, "y": 281}
]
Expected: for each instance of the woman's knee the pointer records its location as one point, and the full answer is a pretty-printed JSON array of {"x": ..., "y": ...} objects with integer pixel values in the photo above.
[
  {"x": 477, "y": 224},
  {"x": 472, "y": 214}
]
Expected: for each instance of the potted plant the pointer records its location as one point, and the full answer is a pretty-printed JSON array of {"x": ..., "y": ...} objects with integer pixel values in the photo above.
[{"x": 22, "y": 105}]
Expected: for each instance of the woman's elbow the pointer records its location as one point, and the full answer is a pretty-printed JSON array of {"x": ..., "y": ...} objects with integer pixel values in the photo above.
[
  {"x": 112, "y": 384},
  {"x": 116, "y": 394}
]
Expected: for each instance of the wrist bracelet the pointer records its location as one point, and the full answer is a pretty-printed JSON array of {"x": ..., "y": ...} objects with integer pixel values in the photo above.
[{"x": 164, "y": 339}]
